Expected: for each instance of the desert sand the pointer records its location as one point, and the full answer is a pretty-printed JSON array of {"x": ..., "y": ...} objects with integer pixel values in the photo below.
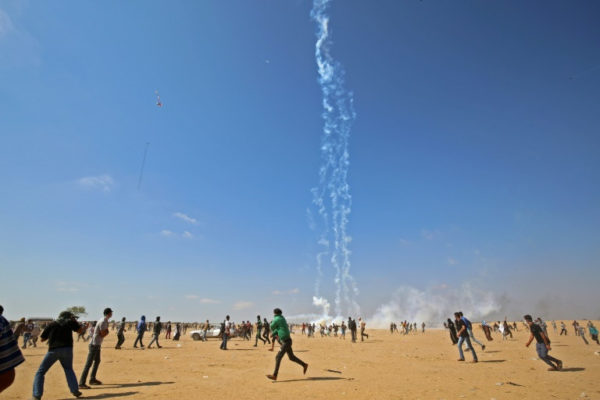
[{"x": 416, "y": 366}]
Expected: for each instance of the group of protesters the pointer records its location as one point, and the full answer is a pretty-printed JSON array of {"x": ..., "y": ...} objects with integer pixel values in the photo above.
[{"x": 58, "y": 334}]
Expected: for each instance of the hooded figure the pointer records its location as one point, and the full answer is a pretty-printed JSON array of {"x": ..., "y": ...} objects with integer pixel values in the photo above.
[
  {"x": 141, "y": 328},
  {"x": 452, "y": 329}
]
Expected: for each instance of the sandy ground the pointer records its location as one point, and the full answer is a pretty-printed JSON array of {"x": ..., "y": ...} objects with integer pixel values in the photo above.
[{"x": 420, "y": 366}]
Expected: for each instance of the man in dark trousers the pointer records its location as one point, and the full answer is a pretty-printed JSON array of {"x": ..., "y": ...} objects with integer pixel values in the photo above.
[
  {"x": 259, "y": 327},
  {"x": 352, "y": 327},
  {"x": 266, "y": 332},
  {"x": 543, "y": 344},
  {"x": 120, "y": 334},
  {"x": 59, "y": 334},
  {"x": 100, "y": 332},
  {"x": 156, "y": 333},
  {"x": 463, "y": 336},
  {"x": 280, "y": 328},
  {"x": 141, "y": 328}
]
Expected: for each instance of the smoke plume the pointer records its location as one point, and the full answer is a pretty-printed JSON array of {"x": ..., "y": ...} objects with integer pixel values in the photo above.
[{"x": 332, "y": 197}]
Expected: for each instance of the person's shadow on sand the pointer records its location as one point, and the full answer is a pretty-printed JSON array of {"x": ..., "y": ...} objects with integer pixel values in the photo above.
[
  {"x": 316, "y": 378},
  {"x": 107, "y": 395},
  {"x": 137, "y": 384},
  {"x": 572, "y": 369}
]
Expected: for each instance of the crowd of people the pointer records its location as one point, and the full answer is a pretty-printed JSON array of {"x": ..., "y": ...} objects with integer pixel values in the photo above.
[{"x": 59, "y": 335}]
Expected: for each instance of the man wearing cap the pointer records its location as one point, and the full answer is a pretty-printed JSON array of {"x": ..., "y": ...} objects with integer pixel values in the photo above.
[
  {"x": 100, "y": 331},
  {"x": 280, "y": 328},
  {"x": 60, "y": 348}
]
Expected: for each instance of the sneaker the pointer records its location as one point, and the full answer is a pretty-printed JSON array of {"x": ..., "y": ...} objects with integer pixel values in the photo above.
[
  {"x": 559, "y": 365},
  {"x": 474, "y": 361},
  {"x": 95, "y": 382},
  {"x": 35, "y": 398},
  {"x": 77, "y": 394},
  {"x": 461, "y": 359},
  {"x": 84, "y": 386},
  {"x": 272, "y": 377}
]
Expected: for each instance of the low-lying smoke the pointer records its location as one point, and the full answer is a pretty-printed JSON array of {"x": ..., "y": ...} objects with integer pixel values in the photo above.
[{"x": 435, "y": 305}]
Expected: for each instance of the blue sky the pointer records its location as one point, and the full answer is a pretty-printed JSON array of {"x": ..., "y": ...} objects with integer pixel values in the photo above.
[{"x": 474, "y": 155}]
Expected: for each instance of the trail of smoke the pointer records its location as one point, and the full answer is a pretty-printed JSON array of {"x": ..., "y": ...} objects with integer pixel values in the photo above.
[
  {"x": 338, "y": 115},
  {"x": 143, "y": 165}
]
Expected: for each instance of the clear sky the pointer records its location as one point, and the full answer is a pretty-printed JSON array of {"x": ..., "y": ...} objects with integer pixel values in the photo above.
[{"x": 475, "y": 154}]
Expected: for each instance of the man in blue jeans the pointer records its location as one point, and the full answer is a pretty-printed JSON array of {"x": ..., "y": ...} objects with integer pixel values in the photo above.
[
  {"x": 543, "y": 345},
  {"x": 463, "y": 336},
  {"x": 470, "y": 330},
  {"x": 60, "y": 348}
]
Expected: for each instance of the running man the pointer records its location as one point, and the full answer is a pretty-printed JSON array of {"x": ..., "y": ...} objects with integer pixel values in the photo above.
[
  {"x": 463, "y": 335},
  {"x": 543, "y": 344},
  {"x": 469, "y": 328},
  {"x": 267, "y": 329},
  {"x": 100, "y": 331},
  {"x": 280, "y": 328},
  {"x": 563, "y": 328},
  {"x": 593, "y": 332},
  {"x": 60, "y": 348}
]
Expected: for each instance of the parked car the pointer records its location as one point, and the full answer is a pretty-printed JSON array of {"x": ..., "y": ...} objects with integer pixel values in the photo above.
[{"x": 212, "y": 332}]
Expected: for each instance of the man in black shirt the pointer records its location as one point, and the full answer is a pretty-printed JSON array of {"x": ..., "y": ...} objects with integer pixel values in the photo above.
[
  {"x": 463, "y": 336},
  {"x": 60, "y": 348},
  {"x": 543, "y": 344}
]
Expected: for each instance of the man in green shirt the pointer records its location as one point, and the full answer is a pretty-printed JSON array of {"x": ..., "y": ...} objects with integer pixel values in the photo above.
[
  {"x": 259, "y": 327},
  {"x": 280, "y": 328}
]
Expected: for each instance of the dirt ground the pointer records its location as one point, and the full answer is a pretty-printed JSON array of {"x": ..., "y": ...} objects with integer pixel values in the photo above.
[{"x": 416, "y": 366}]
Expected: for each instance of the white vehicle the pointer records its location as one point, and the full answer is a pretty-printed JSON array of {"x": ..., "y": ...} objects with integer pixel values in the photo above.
[{"x": 212, "y": 332}]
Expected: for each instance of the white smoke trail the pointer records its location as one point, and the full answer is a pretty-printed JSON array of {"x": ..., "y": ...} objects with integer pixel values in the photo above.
[
  {"x": 332, "y": 195},
  {"x": 434, "y": 305}
]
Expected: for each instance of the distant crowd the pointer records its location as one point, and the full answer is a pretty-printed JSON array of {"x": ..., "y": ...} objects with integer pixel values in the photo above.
[{"x": 59, "y": 335}]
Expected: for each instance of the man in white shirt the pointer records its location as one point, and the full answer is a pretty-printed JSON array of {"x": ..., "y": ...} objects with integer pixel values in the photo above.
[
  {"x": 226, "y": 332},
  {"x": 100, "y": 331}
]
